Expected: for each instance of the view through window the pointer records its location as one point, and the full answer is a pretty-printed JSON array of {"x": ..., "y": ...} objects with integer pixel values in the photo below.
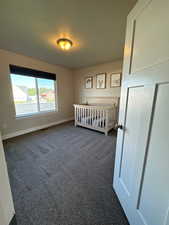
[{"x": 33, "y": 95}]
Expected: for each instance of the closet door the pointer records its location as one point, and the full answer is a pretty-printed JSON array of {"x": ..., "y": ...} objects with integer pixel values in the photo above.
[{"x": 141, "y": 178}]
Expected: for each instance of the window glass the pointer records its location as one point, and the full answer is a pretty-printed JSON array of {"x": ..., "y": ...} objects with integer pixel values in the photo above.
[
  {"x": 33, "y": 95},
  {"x": 24, "y": 93},
  {"x": 46, "y": 94}
]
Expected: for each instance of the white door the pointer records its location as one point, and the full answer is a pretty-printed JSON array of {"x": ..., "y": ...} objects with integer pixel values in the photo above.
[
  {"x": 6, "y": 202},
  {"x": 141, "y": 178}
]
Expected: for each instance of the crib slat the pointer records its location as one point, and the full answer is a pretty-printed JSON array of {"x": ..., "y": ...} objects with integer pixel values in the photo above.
[
  {"x": 91, "y": 121},
  {"x": 101, "y": 118},
  {"x": 97, "y": 117},
  {"x": 89, "y": 116},
  {"x": 77, "y": 111},
  {"x": 79, "y": 114},
  {"x": 83, "y": 115},
  {"x": 104, "y": 118},
  {"x": 107, "y": 119},
  {"x": 75, "y": 115},
  {"x": 92, "y": 116},
  {"x": 97, "y": 112}
]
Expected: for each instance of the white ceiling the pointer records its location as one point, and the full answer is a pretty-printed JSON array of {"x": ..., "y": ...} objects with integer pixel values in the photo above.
[{"x": 96, "y": 27}]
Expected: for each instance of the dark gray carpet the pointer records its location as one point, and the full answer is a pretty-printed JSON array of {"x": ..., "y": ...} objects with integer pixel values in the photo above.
[{"x": 63, "y": 176}]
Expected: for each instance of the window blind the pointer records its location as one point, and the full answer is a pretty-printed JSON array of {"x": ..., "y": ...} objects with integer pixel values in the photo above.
[{"x": 31, "y": 72}]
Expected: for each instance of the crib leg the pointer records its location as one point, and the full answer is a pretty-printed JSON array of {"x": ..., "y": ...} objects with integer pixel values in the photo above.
[
  {"x": 75, "y": 124},
  {"x": 106, "y": 133}
]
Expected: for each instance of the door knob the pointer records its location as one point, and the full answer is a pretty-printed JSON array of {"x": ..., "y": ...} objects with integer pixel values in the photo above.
[{"x": 119, "y": 126}]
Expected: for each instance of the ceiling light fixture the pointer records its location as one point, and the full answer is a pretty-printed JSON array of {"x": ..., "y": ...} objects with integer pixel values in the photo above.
[{"x": 64, "y": 43}]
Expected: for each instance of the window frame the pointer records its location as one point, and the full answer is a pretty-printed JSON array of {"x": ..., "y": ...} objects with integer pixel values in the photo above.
[{"x": 39, "y": 113}]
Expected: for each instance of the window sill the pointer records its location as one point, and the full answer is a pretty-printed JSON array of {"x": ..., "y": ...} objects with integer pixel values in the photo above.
[{"x": 44, "y": 113}]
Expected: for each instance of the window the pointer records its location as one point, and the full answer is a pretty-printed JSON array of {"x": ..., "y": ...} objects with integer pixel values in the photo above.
[
  {"x": 33, "y": 91},
  {"x": 46, "y": 91}
]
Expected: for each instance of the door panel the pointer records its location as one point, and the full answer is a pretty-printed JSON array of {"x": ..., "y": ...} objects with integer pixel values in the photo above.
[
  {"x": 141, "y": 176},
  {"x": 132, "y": 134},
  {"x": 151, "y": 33},
  {"x": 128, "y": 167},
  {"x": 154, "y": 201}
]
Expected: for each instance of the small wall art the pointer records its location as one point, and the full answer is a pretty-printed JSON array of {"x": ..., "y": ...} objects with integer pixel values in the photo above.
[
  {"x": 88, "y": 82},
  {"x": 115, "y": 80},
  {"x": 101, "y": 80}
]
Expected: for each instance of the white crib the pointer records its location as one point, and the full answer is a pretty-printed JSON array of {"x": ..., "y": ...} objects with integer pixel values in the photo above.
[{"x": 99, "y": 117}]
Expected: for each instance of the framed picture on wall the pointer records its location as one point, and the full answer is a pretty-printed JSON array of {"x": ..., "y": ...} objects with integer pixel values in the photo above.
[
  {"x": 101, "y": 80},
  {"x": 88, "y": 82},
  {"x": 115, "y": 80}
]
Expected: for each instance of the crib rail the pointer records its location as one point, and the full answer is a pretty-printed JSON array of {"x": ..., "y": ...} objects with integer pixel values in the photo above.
[{"x": 100, "y": 118}]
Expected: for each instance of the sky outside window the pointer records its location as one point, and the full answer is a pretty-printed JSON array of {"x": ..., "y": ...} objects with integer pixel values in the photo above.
[{"x": 24, "y": 80}]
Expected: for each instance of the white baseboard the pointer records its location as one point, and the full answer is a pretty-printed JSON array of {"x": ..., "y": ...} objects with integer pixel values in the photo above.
[{"x": 21, "y": 132}]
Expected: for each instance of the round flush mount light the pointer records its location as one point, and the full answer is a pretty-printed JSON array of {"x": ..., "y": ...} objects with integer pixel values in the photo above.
[{"x": 64, "y": 43}]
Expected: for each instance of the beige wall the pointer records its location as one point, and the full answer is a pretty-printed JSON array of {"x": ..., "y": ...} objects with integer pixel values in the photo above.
[
  {"x": 79, "y": 75},
  {"x": 70, "y": 90},
  {"x": 8, "y": 121}
]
